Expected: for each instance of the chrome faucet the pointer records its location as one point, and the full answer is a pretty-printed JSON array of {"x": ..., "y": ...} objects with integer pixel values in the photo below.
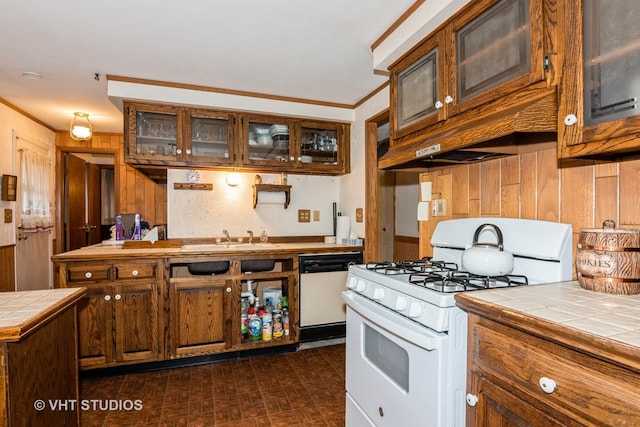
[
  {"x": 226, "y": 234},
  {"x": 250, "y": 236}
]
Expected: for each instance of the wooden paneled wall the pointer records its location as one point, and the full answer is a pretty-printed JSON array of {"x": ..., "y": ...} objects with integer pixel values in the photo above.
[
  {"x": 135, "y": 193},
  {"x": 533, "y": 186},
  {"x": 7, "y": 268}
]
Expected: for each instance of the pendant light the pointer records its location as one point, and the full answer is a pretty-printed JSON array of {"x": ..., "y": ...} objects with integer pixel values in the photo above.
[{"x": 81, "y": 128}]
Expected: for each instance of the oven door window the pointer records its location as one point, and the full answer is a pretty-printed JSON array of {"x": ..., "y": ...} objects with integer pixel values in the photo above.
[{"x": 387, "y": 356}]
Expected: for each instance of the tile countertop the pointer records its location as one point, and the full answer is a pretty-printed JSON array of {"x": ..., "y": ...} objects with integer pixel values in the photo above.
[
  {"x": 22, "y": 312},
  {"x": 601, "y": 324}
]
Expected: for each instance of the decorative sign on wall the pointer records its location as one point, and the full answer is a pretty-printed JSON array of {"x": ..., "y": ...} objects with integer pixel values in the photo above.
[{"x": 9, "y": 185}]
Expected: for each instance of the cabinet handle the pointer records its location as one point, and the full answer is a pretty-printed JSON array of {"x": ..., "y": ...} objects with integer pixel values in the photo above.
[
  {"x": 472, "y": 399},
  {"x": 134, "y": 273},
  {"x": 178, "y": 151},
  {"x": 299, "y": 158},
  {"x": 88, "y": 275},
  {"x": 448, "y": 99},
  {"x": 292, "y": 158},
  {"x": 117, "y": 297},
  {"x": 107, "y": 297},
  {"x": 570, "y": 120},
  {"x": 547, "y": 385},
  {"x": 188, "y": 151},
  {"x": 439, "y": 105},
  {"x": 228, "y": 290}
]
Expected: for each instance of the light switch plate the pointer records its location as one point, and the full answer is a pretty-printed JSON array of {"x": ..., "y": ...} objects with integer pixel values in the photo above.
[
  {"x": 316, "y": 215},
  {"x": 359, "y": 215}
]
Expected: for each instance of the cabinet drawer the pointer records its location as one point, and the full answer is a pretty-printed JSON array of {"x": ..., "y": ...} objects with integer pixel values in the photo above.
[
  {"x": 587, "y": 389},
  {"x": 88, "y": 272},
  {"x": 136, "y": 271}
]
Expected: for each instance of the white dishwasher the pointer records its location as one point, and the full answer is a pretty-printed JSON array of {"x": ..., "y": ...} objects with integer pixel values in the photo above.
[{"x": 323, "y": 277}]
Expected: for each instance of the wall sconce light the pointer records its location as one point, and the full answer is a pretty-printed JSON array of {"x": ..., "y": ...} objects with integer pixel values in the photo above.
[
  {"x": 234, "y": 179},
  {"x": 81, "y": 128}
]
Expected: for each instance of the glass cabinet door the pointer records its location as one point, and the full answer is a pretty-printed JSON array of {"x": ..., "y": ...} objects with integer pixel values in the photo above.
[
  {"x": 319, "y": 145},
  {"x": 611, "y": 60},
  {"x": 418, "y": 90},
  {"x": 267, "y": 140},
  {"x": 155, "y": 134},
  {"x": 493, "y": 53},
  {"x": 209, "y": 135}
]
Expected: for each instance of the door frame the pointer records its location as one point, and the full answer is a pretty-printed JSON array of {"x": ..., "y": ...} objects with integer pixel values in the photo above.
[
  {"x": 59, "y": 183},
  {"x": 371, "y": 184}
]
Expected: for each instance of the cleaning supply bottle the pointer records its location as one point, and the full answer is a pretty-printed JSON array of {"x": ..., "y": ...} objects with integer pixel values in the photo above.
[{"x": 263, "y": 236}]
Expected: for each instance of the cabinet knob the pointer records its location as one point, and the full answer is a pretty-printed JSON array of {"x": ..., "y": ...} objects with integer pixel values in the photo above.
[
  {"x": 448, "y": 99},
  {"x": 178, "y": 151},
  {"x": 117, "y": 297},
  {"x": 299, "y": 158},
  {"x": 472, "y": 399},
  {"x": 439, "y": 105},
  {"x": 134, "y": 273},
  {"x": 228, "y": 290},
  {"x": 107, "y": 297},
  {"x": 88, "y": 275},
  {"x": 570, "y": 120},
  {"x": 547, "y": 385},
  {"x": 292, "y": 158},
  {"x": 188, "y": 151}
]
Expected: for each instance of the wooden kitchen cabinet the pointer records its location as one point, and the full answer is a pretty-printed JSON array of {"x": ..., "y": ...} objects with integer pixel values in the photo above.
[
  {"x": 295, "y": 146},
  {"x": 598, "y": 104},
  {"x": 518, "y": 378},
  {"x": 487, "y": 51},
  {"x": 119, "y": 318},
  {"x": 199, "y": 315},
  {"x": 165, "y": 135}
]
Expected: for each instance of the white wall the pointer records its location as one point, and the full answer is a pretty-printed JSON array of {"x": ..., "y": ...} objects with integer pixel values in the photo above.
[
  {"x": 203, "y": 213},
  {"x": 26, "y": 128},
  {"x": 352, "y": 186}
]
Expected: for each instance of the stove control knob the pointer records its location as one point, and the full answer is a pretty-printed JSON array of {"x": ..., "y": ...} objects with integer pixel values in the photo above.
[
  {"x": 415, "y": 309},
  {"x": 378, "y": 294},
  {"x": 361, "y": 286},
  {"x": 351, "y": 284},
  {"x": 401, "y": 303}
]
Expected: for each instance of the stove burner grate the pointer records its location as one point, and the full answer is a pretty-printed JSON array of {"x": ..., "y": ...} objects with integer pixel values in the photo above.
[
  {"x": 411, "y": 267},
  {"x": 460, "y": 281}
]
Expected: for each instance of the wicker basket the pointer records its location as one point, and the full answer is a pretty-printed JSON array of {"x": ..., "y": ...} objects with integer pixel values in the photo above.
[{"x": 608, "y": 260}]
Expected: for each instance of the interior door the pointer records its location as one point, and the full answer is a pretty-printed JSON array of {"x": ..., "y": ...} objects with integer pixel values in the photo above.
[
  {"x": 82, "y": 202},
  {"x": 33, "y": 250}
]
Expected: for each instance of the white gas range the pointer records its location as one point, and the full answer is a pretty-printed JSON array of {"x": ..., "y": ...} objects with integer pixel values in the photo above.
[{"x": 406, "y": 338}]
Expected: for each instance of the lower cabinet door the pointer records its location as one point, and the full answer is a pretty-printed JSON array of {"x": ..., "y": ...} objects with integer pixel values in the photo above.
[
  {"x": 137, "y": 323},
  {"x": 497, "y": 407},
  {"x": 95, "y": 326},
  {"x": 198, "y": 318}
]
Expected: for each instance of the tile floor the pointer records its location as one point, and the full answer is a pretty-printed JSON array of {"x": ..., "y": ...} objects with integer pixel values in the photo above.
[{"x": 292, "y": 389}]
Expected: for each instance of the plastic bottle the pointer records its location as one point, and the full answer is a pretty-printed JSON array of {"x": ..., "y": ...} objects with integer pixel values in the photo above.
[
  {"x": 263, "y": 236},
  {"x": 255, "y": 325},
  {"x": 285, "y": 321},
  {"x": 267, "y": 327},
  {"x": 278, "y": 328}
]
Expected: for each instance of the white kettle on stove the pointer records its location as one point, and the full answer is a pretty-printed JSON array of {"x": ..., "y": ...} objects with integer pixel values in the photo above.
[{"x": 487, "y": 259}]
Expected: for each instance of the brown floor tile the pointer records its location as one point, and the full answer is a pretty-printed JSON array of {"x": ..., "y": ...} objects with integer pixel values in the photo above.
[{"x": 305, "y": 388}]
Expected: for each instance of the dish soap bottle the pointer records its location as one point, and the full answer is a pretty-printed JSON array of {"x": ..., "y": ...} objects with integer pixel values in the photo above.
[{"x": 263, "y": 236}]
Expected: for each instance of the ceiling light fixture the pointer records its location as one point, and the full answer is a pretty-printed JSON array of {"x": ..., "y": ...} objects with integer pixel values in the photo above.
[
  {"x": 81, "y": 128},
  {"x": 31, "y": 75}
]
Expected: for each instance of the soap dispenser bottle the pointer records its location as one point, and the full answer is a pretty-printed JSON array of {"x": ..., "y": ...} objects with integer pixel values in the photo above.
[{"x": 263, "y": 236}]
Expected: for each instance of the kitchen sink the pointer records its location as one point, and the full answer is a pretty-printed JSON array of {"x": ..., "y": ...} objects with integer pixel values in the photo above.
[
  {"x": 208, "y": 267},
  {"x": 233, "y": 246}
]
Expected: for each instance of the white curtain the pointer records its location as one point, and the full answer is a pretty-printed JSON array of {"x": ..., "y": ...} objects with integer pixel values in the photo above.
[{"x": 36, "y": 201}]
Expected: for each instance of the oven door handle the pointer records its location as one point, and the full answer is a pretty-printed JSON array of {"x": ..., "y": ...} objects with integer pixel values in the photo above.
[{"x": 393, "y": 323}]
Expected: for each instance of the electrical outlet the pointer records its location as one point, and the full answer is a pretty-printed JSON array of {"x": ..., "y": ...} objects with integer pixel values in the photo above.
[
  {"x": 304, "y": 215},
  {"x": 359, "y": 215},
  {"x": 316, "y": 215}
]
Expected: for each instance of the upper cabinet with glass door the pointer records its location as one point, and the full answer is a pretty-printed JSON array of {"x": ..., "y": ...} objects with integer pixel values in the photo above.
[
  {"x": 152, "y": 133},
  {"x": 599, "y": 110},
  {"x": 209, "y": 135},
  {"x": 488, "y": 50},
  {"x": 267, "y": 141},
  {"x": 323, "y": 147}
]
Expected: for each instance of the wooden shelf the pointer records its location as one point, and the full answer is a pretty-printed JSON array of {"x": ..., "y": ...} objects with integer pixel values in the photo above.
[{"x": 273, "y": 188}]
